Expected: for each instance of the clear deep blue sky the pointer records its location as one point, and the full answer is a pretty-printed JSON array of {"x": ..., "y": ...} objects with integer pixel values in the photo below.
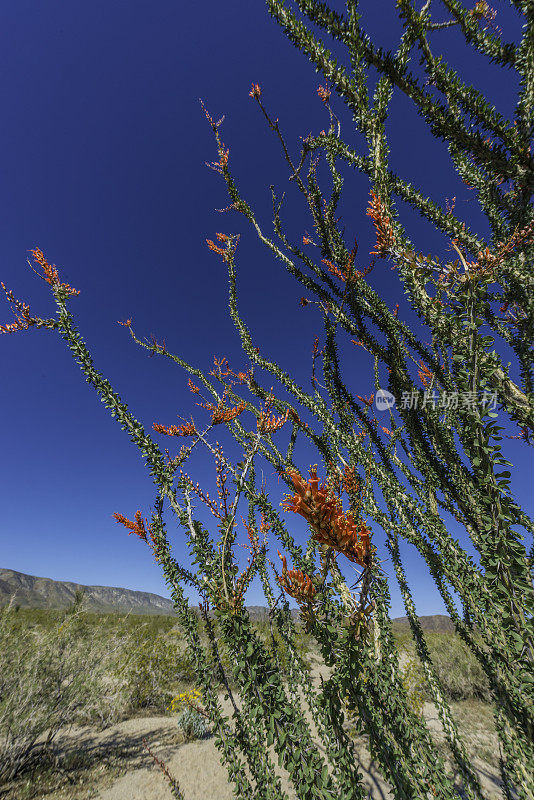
[{"x": 104, "y": 144}]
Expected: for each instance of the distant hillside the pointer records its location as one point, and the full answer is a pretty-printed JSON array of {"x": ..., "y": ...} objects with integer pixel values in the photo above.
[
  {"x": 434, "y": 622},
  {"x": 33, "y": 592}
]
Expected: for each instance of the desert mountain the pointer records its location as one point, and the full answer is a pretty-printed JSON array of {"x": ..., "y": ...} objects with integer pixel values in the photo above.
[{"x": 33, "y": 592}]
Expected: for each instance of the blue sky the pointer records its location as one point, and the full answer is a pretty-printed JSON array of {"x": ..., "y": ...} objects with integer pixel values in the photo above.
[{"x": 104, "y": 144}]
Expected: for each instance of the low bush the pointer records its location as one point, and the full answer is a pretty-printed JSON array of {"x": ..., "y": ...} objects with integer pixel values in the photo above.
[
  {"x": 153, "y": 669},
  {"x": 413, "y": 681},
  {"x": 277, "y": 647},
  {"x": 457, "y": 669},
  {"x": 192, "y": 724},
  {"x": 459, "y": 672},
  {"x": 51, "y": 678}
]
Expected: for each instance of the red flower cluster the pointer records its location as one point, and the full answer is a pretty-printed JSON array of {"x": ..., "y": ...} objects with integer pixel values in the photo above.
[
  {"x": 50, "y": 272},
  {"x": 227, "y": 414},
  {"x": 266, "y": 425},
  {"x": 425, "y": 374},
  {"x": 23, "y": 321},
  {"x": 172, "y": 430},
  {"x": 222, "y": 237},
  {"x": 324, "y": 93},
  {"x": 330, "y": 525},
  {"x": 295, "y": 583},
  {"x": 137, "y": 527},
  {"x": 385, "y": 237}
]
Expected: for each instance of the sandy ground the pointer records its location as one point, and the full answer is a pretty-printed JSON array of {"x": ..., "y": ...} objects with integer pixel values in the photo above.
[{"x": 196, "y": 765}]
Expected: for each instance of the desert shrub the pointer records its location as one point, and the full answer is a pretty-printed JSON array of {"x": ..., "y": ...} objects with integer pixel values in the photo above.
[
  {"x": 125, "y": 623},
  {"x": 190, "y": 721},
  {"x": 413, "y": 681},
  {"x": 272, "y": 640},
  {"x": 278, "y": 648},
  {"x": 457, "y": 669},
  {"x": 192, "y": 724},
  {"x": 459, "y": 672},
  {"x": 51, "y": 678},
  {"x": 153, "y": 669}
]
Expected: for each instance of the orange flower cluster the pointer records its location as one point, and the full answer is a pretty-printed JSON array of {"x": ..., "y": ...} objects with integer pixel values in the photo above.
[
  {"x": 348, "y": 273},
  {"x": 331, "y": 527},
  {"x": 19, "y": 325},
  {"x": 385, "y": 237},
  {"x": 324, "y": 93},
  {"x": 294, "y": 416},
  {"x": 137, "y": 527},
  {"x": 157, "y": 346},
  {"x": 220, "y": 165},
  {"x": 295, "y": 583},
  {"x": 425, "y": 375},
  {"x": 223, "y": 367},
  {"x": 483, "y": 269},
  {"x": 350, "y": 480},
  {"x": 524, "y": 435},
  {"x": 481, "y": 8},
  {"x": 192, "y": 386},
  {"x": 222, "y": 237},
  {"x": 50, "y": 272},
  {"x": 473, "y": 271},
  {"x": 253, "y": 535},
  {"x": 483, "y": 11},
  {"x": 255, "y": 91},
  {"x": 23, "y": 321},
  {"x": 172, "y": 430},
  {"x": 213, "y": 124},
  {"x": 266, "y": 425},
  {"x": 507, "y": 248},
  {"x": 226, "y": 414}
]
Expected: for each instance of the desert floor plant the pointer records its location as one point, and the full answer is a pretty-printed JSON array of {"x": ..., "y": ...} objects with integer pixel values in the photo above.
[
  {"x": 438, "y": 457},
  {"x": 49, "y": 679},
  {"x": 152, "y": 668},
  {"x": 64, "y": 668}
]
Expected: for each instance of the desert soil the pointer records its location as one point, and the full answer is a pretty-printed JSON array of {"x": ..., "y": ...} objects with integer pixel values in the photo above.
[{"x": 123, "y": 770}]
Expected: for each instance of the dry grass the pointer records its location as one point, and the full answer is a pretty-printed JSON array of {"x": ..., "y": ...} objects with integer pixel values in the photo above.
[{"x": 63, "y": 669}]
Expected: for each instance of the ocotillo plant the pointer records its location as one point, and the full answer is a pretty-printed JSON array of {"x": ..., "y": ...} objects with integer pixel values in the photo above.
[{"x": 440, "y": 456}]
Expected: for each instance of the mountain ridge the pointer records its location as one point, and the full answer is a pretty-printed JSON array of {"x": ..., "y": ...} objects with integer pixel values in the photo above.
[{"x": 32, "y": 591}]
